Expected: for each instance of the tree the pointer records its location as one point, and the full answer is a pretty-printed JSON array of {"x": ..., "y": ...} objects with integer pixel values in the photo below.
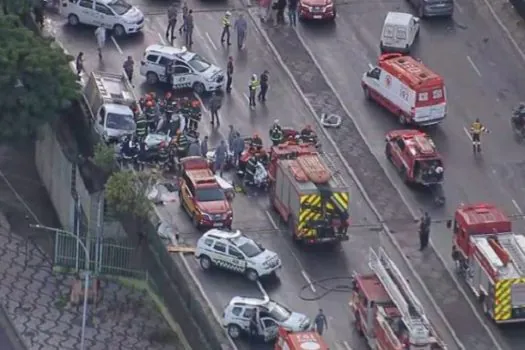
[
  {"x": 104, "y": 157},
  {"x": 36, "y": 81},
  {"x": 17, "y": 7}
]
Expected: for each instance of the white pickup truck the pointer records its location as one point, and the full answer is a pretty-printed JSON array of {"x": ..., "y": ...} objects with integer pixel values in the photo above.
[{"x": 109, "y": 98}]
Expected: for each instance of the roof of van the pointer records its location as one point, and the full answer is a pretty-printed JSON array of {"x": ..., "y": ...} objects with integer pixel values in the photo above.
[{"x": 398, "y": 18}]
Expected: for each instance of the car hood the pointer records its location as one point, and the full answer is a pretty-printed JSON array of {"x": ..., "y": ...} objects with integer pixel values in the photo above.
[
  {"x": 316, "y": 2},
  {"x": 215, "y": 207},
  {"x": 212, "y": 72},
  {"x": 297, "y": 322},
  {"x": 134, "y": 14},
  {"x": 265, "y": 256},
  {"x": 117, "y": 133}
]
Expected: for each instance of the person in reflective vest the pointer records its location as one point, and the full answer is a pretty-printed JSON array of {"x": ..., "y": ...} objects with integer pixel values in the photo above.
[
  {"x": 256, "y": 143},
  {"x": 141, "y": 127},
  {"x": 182, "y": 144},
  {"x": 251, "y": 167},
  {"x": 276, "y": 133},
  {"x": 164, "y": 153},
  {"x": 226, "y": 25},
  {"x": 254, "y": 84}
]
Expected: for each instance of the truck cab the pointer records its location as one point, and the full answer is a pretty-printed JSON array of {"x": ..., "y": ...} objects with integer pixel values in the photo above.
[{"x": 308, "y": 340}]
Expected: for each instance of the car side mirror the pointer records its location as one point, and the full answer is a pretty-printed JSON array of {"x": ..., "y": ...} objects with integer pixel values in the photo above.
[{"x": 449, "y": 223}]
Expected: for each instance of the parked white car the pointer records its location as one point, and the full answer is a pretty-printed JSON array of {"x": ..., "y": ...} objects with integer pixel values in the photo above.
[
  {"x": 235, "y": 252},
  {"x": 270, "y": 315},
  {"x": 399, "y": 32},
  {"x": 116, "y": 15},
  {"x": 191, "y": 70}
]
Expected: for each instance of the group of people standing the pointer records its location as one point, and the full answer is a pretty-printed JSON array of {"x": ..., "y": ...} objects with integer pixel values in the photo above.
[
  {"x": 186, "y": 27},
  {"x": 267, "y": 7}
]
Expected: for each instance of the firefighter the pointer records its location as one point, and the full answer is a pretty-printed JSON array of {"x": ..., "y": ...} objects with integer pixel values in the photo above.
[
  {"x": 320, "y": 322},
  {"x": 181, "y": 144},
  {"x": 252, "y": 89},
  {"x": 424, "y": 231},
  {"x": 264, "y": 158},
  {"x": 249, "y": 173},
  {"x": 195, "y": 115},
  {"x": 476, "y": 129},
  {"x": 141, "y": 127},
  {"x": 164, "y": 153},
  {"x": 226, "y": 25},
  {"x": 276, "y": 133},
  {"x": 151, "y": 115},
  {"x": 256, "y": 143},
  {"x": 142, "y": 157}
]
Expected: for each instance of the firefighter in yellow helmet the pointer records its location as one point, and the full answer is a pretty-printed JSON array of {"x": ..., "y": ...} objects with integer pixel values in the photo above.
[{"x": 475, "y": 130}]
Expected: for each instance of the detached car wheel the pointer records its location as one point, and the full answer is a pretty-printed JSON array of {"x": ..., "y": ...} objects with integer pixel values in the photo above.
[
  {"x": 205, "y": 262},
  {"x": 72, "y": 20},
  {"x": 119, "y": 31},
  {"x": 199, "y": 88},
  {"x": 252, "y": 275},
  {"x": 234, "y": 331}
]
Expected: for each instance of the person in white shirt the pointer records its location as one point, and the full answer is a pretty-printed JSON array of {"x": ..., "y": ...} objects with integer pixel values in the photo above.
[{"x": 100, "y": 34}]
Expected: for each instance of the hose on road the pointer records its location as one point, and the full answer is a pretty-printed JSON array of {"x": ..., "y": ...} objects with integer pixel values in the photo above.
[{"x": 318, "y": 289}]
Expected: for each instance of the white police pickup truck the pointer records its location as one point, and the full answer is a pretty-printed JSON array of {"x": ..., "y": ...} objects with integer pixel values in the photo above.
[
  {"x": 190, "y": 69},
  {"x": 235, "y": 252},
  {"x": 116, "y": 15}
]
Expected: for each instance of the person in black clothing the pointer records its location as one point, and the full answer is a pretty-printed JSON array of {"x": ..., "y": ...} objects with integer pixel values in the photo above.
[
  {"x": 229, "y": 74},
  {"x": 424, "y": 230},
  {"x": 263, "y": 81},
  {"x": 292, "y": 12},
  {"x": 280, "y": 5}
]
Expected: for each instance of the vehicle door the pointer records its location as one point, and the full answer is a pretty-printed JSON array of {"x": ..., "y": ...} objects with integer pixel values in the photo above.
[
  {"x": 183, "y": 77},
  {"x": 237, "y": 259},
  {"x": 164, "y": 62},
  {"x": 221, "y": 257},
  {"x": 104, "y": 16},
  {"x": 398, "y": 149},
  {"x": 150, "y": 63},
  {"x": 188, "y": 195},
  {"x": 373, "y": 80},
  {"x": 269, "y": 328},
  {"x": 85, "y": 11},
  {"x": 100, "y": 121}
]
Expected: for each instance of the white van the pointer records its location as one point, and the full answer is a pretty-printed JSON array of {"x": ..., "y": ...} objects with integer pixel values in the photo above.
[
  {"x": 116, "y": 15},
  {"x": 399, "y": 32}
]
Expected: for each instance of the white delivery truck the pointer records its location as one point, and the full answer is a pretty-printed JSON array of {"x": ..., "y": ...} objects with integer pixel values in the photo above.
[{"x": 109, "y": 98}]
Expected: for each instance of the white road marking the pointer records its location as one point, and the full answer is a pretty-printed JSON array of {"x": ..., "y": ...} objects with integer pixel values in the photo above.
[
  {"x": 517, "y": 206},
  {"x": 203, "y": 105},
  {"x": 371, "y": 66},
  {"x": 116, "y": 45},
  {"x": 347, "y": 346},
  {"x": 474, "y": 66},
  {"x": 309, "y": 281},
  {"x": 246, "y": 97},
  {"x": 468, "y": 133},
  {"x": 272, "y": 221},
  {"x": 162, "y": 40},
  {"x": 211, "y": 41}
]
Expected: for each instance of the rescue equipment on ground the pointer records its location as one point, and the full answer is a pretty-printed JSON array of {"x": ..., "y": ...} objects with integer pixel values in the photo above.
[
  {"x": 331, "y": 120},
  {"x": 491, "y": 259},
  {"x": 386, "y": 311}
]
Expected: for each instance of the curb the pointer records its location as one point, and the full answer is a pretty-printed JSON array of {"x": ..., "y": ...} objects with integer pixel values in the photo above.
[
  {"x": 12, "y": 333},
  {"x": 358, "y": 183}
]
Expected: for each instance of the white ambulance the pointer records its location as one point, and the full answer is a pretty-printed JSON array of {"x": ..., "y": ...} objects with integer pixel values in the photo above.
[{"x": 408, "y": 89}]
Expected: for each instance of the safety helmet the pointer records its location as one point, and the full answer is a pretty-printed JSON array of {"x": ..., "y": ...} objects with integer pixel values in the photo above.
[
  {"x": 168, "y": 94},
  {"x": 195, "y": 103},
  {"x": 228, "y": 13},
  {"x": 477, "y": 120},
  {"x": 149, "y": 103},
  {"x": 308, "y": 127},
  {"x": 276, "y": 121},
  {"x": 254, "y": 76},
  {"x": 185, "y": 99},
  {"x": 255, "y": 135},
  {"x": 153, "y": 95},
  {"x": 147, "y": 97}
]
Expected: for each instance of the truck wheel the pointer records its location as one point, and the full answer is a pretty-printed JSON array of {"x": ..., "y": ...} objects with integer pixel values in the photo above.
[
  {"x": 252, "y": 275},
  {"x": 72, "y": 20},
  {"x": 199, "y": 88},
  {"x": 205, "y": 262},
  {"x": 367, "y": 93},
  {"x": 234, "y": 331},
  {"x": 402, "y": 118},
  {"x": 358, "y": 324},
  {"x": 388, "y": 153},
  {"x": 404, "y": 176},
  {"x": 152, "y": 78},
  {"x": 119, "y": 31}
]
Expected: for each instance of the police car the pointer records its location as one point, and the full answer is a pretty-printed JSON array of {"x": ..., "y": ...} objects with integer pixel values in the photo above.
[
  {"x": 271, "y": 315},
  {"x": 116, "y": 15},
  {"x": 236, "y": 252},
  {"x": 190, "y": 69}
]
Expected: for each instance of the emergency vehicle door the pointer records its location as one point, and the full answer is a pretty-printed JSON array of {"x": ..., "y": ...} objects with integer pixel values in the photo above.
[
  {"x": 188, "y": 199},
  {"x": 373, "y": 76},
  {"x": 237, "y": 259},
  {"x": 183, "y": 77},
  {"x": 269, "y": 328}
]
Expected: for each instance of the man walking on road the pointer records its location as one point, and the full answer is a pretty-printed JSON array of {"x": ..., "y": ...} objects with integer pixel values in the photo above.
[
  {"x": 320, "y": 322},
  {"x": 184, "y": 15},
  {"x": 241, "y": 26},
  {"x": 292, "y": 12},
  {"x": 229, "y": 74},
  {"x": 79, "y": 63},
  {"x": 254, "y": 84},
  {"x": 264, "y": 86},
  {"x": 424, "y": 231},
  {"x": 204, "y": 146},
  {"x": 215, "y": 105},
  {"x": 172, "y": 22},
  {"x": 100, "y": 34},
  {"x": 226, "y": 25},
  {"x": 189, "y": 29},
  {"x": 128, "y": 68}
]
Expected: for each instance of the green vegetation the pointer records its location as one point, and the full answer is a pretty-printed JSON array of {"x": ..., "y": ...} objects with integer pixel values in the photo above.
[
  {"x": 104, "y": 157},
  {"x": 17, "y": 7},
  {"x": 36, "y": 81}
]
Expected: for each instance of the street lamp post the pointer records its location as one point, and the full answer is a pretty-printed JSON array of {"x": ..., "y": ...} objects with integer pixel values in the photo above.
[{"x": 86, "y": 282}]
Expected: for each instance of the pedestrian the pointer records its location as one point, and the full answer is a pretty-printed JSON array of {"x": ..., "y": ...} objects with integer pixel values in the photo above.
[
  {"x": 128, "y": 68},
  {"x": 226, "y": 25},
  {"x": 172, "y": 22},
  {"x": 204, "y": 146},
  {"x": 215, "y": 105},
  {"x": 241, "y": 26},
  {"x": 320, "y": 322},
  {"x": 195, "y": 149},
  {"x": 238, "y": 148},
  {"x": 229, "y": 75},
  {"x": 424, "y": 231},
  {"x": 280, "y": 6},
  {"x": 189, "y": 28},
  {"x": 79, "y": 63},
  {"x": 254, "y": 84},
  {"x": 264, "y": 86},
  {"x": 265, "y": 10},
  {"x": 221, "y": 154},
  {"x": 231, "y": 137},
  {"x": 292, "y": 12},
  {"x": 184, "y": 15},
  {"x": 100, "y": 34}
]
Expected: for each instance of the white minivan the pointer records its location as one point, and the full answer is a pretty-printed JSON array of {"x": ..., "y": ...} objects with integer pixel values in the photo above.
[
  {"x": 399, "y": 32},
  {"x": 116, "y": 15}
]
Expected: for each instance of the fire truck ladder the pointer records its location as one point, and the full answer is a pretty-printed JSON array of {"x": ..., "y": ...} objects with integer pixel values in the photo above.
[
  {"x": 406, "y": 302},
  {"x": 511, "y": 246}
]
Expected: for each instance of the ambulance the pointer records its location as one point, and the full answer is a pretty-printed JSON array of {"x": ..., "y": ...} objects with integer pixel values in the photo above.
[{"x": 407, "y": 88}]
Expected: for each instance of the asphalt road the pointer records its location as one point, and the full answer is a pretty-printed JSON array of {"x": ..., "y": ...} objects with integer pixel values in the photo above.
[
  {"x": 251, "y": 213},
  {"x": 482, "y": 73}
]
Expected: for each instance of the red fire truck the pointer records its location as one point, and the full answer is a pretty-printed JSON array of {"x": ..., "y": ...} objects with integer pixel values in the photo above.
[
  {"x": 309, "y": 340},
  {"x": 386, "y": 311},
  {"x": 491, "y": 259},
  {"x": 407, "y": 88}
]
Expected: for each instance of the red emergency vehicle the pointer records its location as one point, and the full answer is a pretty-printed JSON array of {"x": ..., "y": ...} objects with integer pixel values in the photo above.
[
  {"x": 386, "y": 311},
  {"x": 407, "y": 88},
  {"x": 299, "y": 341},
  {"x": 491, "y": 259}
]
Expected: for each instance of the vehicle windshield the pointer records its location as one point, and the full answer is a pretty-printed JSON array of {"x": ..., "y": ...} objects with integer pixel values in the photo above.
[
  {"x": 401, "y": 33},
  {"x": 199, "y": 64},
  {"x": 251, "y": 249},
  {"x": 388, "y": 32},
  {"x": 209, "y": 195},
  {"x": 120, "y": 122},
  {"x": 119, "y": 6},
  {"x": 278, "y": 312}
]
